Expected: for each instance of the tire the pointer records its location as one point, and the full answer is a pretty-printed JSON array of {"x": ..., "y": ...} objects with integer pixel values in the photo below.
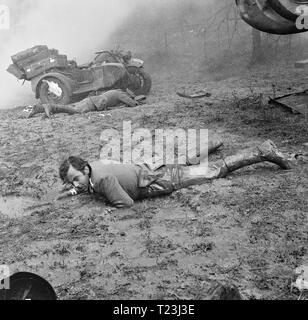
[
  {"x": 141, "y": 82},
  {"x": 283, "y": 11},
  {"x": 48, "y": 97}
]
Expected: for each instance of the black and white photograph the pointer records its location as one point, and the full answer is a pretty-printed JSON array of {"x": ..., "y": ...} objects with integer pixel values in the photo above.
[{"x": 155, "y": 151}]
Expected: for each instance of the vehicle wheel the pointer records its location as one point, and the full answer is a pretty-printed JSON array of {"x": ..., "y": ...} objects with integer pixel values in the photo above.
[
  {"x": 141, "y": 82},
  {"x": 54, "y": 91}
]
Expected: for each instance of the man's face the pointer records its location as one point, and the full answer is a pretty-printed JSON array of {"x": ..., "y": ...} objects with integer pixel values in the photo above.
[{"x": 77, "y": 178}]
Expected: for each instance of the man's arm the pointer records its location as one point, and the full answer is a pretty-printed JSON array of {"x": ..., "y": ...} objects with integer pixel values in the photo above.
[
  {"x": 124, "y": 97},
  {"x": 114, "y": 193},
  {"x": 69, "y": 193}
]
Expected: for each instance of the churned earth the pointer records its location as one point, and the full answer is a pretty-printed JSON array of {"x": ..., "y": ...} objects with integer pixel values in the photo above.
[{"x": 249, "y": 230}]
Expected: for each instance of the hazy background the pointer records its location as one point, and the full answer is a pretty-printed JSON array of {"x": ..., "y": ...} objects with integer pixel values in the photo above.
[{"x": 194, "y": 35}]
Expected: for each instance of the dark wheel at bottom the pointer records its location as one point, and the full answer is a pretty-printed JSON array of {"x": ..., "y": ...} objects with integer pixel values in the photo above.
[{"x": 28, "y": 286}]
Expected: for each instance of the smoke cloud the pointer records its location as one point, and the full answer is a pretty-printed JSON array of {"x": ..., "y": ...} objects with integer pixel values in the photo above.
[{"x": 75, "y": 28}]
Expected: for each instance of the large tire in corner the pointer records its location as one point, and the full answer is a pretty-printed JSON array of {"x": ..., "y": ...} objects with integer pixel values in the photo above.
[
  {"x": 46, "y": 96},
  {"x": 141, "y": 83}
]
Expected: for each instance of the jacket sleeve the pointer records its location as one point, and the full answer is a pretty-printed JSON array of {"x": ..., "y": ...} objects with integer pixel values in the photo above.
[
  {"x": 114, "y": 193},
  {"x": 125, "y": 98}
]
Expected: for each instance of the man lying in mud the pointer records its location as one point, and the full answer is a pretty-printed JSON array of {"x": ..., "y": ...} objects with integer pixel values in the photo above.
[
  {"x": 123, "y": 184},
  {"x": 105, "y": 101}
]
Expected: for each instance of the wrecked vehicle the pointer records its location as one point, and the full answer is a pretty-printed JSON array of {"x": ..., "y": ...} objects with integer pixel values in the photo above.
[
  {"x": 57, "y": 80},
  {"x": 141, "y": 82}
]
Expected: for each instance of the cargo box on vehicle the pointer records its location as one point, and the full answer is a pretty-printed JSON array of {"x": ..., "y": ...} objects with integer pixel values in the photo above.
[
  {"x": 28, "y": 53},
  {"x": 41, "y": 67},
  {"x": 23, "y": 63},
  {"x": 15, "y": 71}
]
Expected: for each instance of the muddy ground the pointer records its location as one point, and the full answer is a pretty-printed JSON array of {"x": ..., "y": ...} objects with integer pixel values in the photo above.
[{"x": 249, "y": 229}]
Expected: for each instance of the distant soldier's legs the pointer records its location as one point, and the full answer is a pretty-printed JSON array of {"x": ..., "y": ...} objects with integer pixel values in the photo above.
[{"x": 83, "y": 106}]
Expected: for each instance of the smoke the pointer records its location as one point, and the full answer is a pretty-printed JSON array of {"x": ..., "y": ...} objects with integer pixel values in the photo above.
[{"x": 75, "y": 28}]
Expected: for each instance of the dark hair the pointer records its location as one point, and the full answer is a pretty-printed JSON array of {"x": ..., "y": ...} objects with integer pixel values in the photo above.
[{"x": 76, "y": 162}]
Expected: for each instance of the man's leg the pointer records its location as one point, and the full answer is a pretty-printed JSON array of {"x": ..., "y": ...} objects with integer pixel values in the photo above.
[
  {"x": 197, "y": 175},
  {"x": 212, "y": 147},
  {"x": 57, "y": 108},
  {"x": 83, "y": 106},
  {"x": 50, "y": 109},
  {"x": 182, "y": 158}
]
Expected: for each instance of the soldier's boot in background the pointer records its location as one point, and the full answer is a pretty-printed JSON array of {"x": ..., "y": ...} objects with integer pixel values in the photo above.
[{"x": 38, "y": 108}]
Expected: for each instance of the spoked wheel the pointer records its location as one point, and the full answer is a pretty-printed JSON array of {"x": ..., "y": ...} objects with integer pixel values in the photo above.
[
  {"x": 54, "y": 91},
  {"x": 141, "y": 82}
]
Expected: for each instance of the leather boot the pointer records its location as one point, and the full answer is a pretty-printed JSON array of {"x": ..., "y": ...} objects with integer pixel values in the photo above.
[
  {"x": 267, "y": 152},
  {"x": 196, "y": 175}
]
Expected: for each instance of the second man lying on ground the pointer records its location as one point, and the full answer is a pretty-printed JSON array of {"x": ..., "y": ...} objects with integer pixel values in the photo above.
[{"x": 102, "y": 102}]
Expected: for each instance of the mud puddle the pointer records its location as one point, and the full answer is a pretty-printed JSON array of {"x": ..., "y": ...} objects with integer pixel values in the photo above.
[{"x": 16, "y": 207}]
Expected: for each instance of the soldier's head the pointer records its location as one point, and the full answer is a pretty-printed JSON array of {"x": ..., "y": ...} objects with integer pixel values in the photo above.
[{"x": 75, "y": 171}]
